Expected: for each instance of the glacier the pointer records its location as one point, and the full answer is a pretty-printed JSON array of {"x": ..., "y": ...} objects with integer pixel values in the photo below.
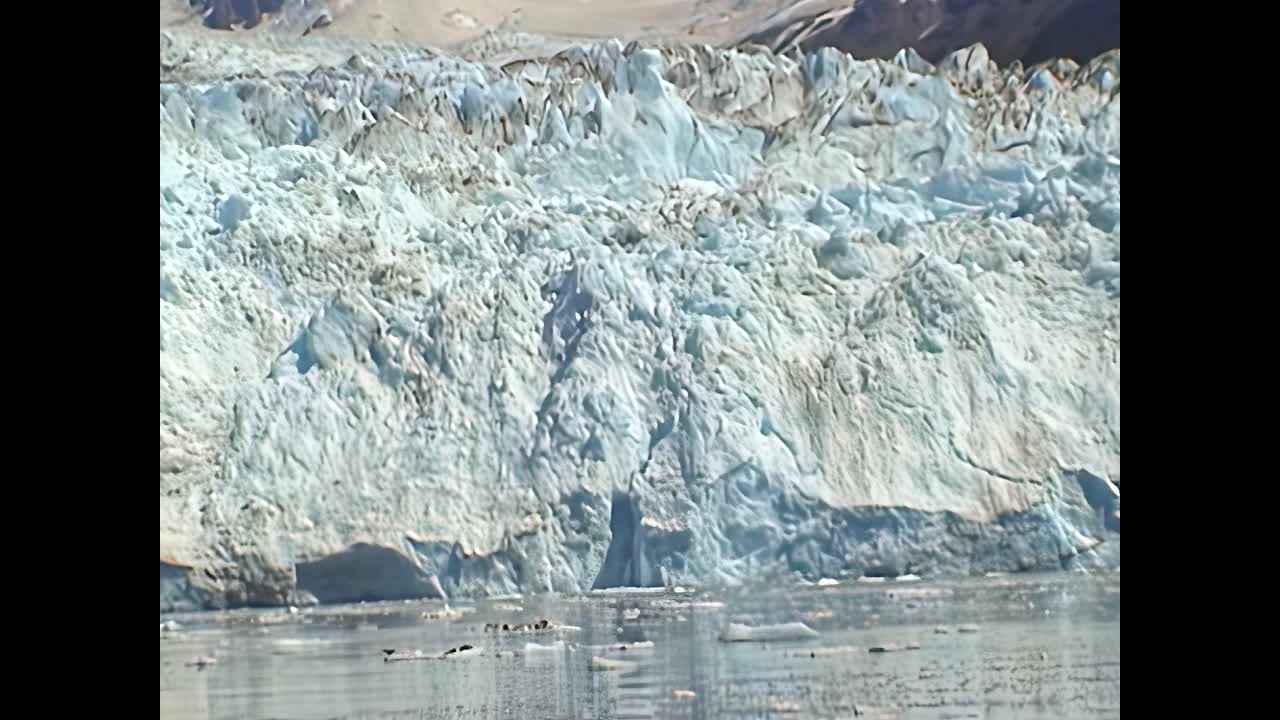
[{"x": 629, "y": 315}]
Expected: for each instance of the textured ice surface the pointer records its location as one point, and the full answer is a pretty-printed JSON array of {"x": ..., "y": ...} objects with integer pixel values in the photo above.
[{"x": 802, "y": 316}]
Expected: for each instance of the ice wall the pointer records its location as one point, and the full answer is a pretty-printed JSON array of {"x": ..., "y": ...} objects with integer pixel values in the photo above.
[{"x": 802, "y": 316}]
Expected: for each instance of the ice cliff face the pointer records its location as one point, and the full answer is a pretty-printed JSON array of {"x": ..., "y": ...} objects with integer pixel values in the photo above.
[{"x": 629, "y": 312}]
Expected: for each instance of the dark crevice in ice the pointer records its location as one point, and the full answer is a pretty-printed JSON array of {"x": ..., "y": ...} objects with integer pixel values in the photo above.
[
  {"x": 625, "y": 564},
  {"x": 364, "y": 573}
]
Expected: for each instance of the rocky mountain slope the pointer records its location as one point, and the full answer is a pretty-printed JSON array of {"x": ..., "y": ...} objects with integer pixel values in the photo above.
[
  {"x": 629, "y": 312},
  {"x": 1026, "y": 30}
]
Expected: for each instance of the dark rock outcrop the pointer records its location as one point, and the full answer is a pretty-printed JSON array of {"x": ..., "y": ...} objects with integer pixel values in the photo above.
[
  {"x": 225, "y": 14},
  {"x": 1028, "y": 30}
]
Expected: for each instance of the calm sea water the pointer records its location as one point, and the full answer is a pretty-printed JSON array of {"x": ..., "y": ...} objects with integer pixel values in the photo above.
[{"x": 1031, "y": 646}]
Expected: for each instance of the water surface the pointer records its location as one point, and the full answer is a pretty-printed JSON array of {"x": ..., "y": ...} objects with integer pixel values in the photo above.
[{"x": 1025, "y": 646}]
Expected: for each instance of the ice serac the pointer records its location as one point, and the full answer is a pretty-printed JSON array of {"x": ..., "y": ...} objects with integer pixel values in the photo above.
[{"x": 582, "y": 319}]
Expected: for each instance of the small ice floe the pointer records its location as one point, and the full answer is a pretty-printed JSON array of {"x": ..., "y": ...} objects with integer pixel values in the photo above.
[
  {"x": 461, "y": 649},
  {"x": 599, "y": 664},
  {"x": 540, "y": 626},
  {"x": 445, "y": 614},
  {"x": 767, "y": 633},
  {"x": 391, "y": 655},
  {"x": 624, "y": 647},
  {"x": 634, "y": 591},
  {"x": 534, "y": 648},
  {"x": 894, "y": 647}
]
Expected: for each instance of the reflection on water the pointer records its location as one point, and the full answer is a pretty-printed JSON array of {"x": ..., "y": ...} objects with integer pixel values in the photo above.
[{"x": 1044, "y": 646}]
